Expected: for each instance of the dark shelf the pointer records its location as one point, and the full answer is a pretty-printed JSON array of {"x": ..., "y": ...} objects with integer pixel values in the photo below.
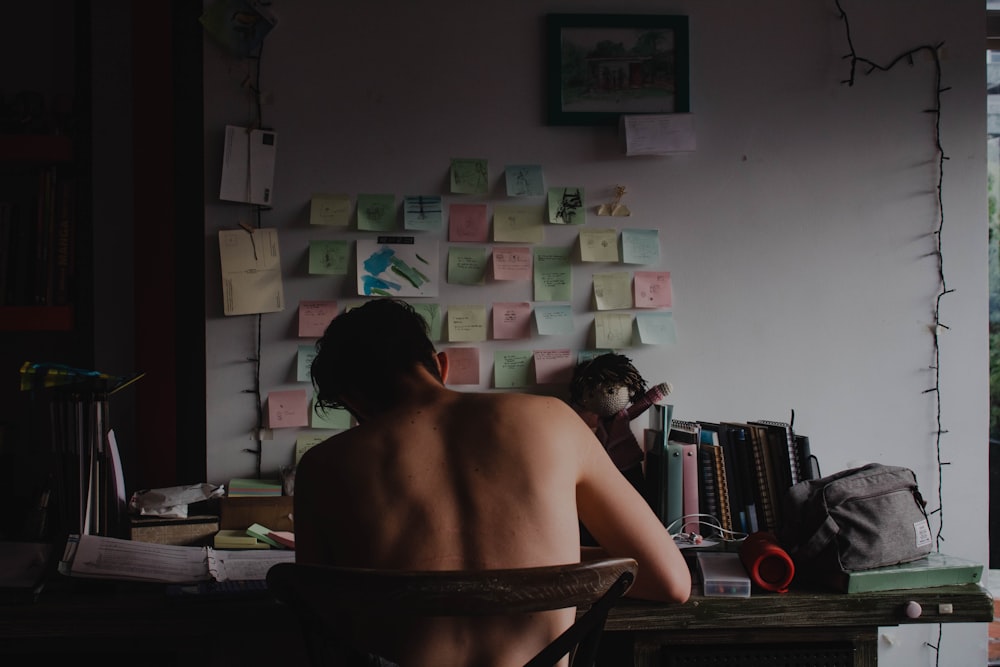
[
  {"x": 35, "y": 148},
  {"x": 36, "y": 318}
]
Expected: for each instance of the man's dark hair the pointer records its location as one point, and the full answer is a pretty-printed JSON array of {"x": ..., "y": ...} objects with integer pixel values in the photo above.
[{"x": 365, "y": 349}]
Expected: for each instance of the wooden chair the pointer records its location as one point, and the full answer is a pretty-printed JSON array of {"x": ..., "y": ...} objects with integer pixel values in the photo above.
[{"x": 314, "y": 592}]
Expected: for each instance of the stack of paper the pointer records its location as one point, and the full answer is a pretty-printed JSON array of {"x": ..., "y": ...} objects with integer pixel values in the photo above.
[
  {"x": 281, "y": 539},
  {"x": 242, "y": 487},
  {"x": 237, "y": 539}
]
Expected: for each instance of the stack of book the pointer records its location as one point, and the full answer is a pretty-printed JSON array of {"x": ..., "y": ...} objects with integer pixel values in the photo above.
[
  {"x": 243, "y": 487},
  {"x": 727, "y": 477}
]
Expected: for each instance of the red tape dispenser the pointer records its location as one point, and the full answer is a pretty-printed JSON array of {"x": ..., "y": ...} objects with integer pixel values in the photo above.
[{"x": 769, "y": 566}]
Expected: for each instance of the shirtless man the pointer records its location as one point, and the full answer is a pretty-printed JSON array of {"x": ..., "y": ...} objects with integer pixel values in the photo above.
[{"x": 432, "y": 478}]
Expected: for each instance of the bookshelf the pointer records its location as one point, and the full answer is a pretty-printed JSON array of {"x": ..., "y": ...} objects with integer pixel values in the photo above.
[{"x": 45, "y": 196}]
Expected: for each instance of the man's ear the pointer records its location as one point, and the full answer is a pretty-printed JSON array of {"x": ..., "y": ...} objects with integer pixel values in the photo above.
[{"x": 442, "y": 362}]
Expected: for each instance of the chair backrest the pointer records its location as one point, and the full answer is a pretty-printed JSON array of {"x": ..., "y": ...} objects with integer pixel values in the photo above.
[{"x": 315, "y": 592}]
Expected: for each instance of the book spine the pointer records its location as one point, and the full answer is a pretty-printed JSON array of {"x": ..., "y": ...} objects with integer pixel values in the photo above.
[{"x": 690, "y": 487}]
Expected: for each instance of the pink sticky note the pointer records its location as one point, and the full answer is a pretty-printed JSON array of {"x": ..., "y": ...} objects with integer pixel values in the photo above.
[
  {"x": 288, "y": 408},
  {"x": 314, "y": 316},
  {"x": 511, "y": 320},
  {"x": 652, "y": 289},
  {"x": 511, "y": 263},
  {"x": 554, "y": 366},
  {"x": 468, "y": 223},
  {"x": 463, "y": 365}
]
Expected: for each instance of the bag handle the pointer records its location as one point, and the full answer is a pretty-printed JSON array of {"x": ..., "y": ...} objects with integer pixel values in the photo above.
[{"x": 823, "y": 535}]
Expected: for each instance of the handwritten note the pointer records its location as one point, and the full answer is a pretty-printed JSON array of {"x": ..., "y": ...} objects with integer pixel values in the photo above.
[
  {"x": 511, "y": 263},
  {"x": 553, "y": 366},
  {"x": 511, "y": 320},
  {"x": 553, "y": 280},
  {"x": 467, "y": 266},
  {"x": 658, "y": 134},
  {"x": 314, "y": 316},
  {"x": 463, "y": 365},
  {"x": 613, "y": 330},
  {"x": 286, "y": 409},
  {"x": 641, "y": 246},
  {"x": 612, "y": 291},
  {"x": 466, "y": 324},
  {"x": 511, "y": 369},
  {"x": 656, "y": 328},
  {"x": 303, "y": 362},
  {"x": 553, "y": 319}
]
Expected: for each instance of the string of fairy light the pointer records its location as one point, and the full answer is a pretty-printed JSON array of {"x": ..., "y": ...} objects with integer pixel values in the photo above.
[
  {"x": 936, "y": 327},
  {"x": 252, "y": 85}
]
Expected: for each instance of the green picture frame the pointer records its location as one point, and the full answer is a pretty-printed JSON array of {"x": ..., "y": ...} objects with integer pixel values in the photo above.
[{"x": 602, "y": 66}]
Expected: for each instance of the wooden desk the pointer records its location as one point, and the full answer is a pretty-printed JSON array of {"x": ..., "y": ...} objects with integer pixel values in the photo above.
[
  {"x": 112, "y": 620},
  {"x": 805, "y": 628}
]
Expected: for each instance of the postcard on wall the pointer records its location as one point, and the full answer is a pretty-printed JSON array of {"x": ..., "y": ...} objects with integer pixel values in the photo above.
[
  {"x": 397, "y": 266},
  {"x": 251, "y": 271}
]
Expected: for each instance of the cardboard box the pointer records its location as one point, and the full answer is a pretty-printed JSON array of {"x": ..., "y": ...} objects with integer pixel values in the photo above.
[
  {"x": 190, "y": 531},
  {"x": 240, "y": 513}
]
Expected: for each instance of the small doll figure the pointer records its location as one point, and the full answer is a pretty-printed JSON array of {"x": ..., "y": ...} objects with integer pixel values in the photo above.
[{"x": 608, "y": 393}]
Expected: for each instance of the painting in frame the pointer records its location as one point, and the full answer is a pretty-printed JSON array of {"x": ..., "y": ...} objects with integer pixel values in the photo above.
[{"x": 601, "y": 66}]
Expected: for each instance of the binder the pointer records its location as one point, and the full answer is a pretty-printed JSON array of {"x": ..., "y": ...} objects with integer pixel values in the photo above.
[
  {"x": 690, "y": 504},
  {"x": 684, "y": 435},
  {"x": 655, "y": 442},
  {"x": 673, "y": 485}
]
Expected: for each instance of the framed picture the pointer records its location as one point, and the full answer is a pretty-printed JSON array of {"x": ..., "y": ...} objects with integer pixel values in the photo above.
[{"x": 601, "y": 66}]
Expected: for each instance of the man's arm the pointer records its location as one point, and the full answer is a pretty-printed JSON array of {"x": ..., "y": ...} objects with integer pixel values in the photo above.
[{"x": 624, "y": 525}]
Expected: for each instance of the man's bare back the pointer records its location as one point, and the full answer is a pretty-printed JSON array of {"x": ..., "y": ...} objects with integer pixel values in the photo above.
[{"x": 453, "y": 480}]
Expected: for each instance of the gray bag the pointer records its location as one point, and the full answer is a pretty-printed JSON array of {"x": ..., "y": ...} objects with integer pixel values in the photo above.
[{"x": 856, "y": 519}]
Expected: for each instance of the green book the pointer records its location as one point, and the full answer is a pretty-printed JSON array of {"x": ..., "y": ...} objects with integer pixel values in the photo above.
[{"x": 935, "y": 569}]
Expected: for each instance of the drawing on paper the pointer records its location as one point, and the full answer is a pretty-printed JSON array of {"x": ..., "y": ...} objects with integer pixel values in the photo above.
[{"x": 400, "y": 268}]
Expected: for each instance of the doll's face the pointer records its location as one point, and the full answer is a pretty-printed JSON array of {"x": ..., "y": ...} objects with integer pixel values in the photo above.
[{"x": 605, "y": 401}]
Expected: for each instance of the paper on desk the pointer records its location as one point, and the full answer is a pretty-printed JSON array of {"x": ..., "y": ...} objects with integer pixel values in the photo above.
[
  {"x": 112, "y": 558},
  {"x": 249, "y": 565}
]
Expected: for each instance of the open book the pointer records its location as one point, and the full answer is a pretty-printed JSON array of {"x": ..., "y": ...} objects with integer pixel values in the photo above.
[{"x": 112, "y": 558}]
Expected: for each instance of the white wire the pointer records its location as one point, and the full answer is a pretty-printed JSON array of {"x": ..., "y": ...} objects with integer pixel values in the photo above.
[{"x": 707, "y": 520}]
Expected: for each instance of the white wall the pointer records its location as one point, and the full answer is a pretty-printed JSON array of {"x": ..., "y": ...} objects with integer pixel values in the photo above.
[{"x": 799, "y": 235}]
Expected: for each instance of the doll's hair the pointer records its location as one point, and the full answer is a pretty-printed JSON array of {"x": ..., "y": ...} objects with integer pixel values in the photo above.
[{"x": 604, "y": 370}]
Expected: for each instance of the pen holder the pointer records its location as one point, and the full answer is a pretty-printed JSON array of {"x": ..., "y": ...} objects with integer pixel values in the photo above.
[{"x": 769, "y": 566}]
